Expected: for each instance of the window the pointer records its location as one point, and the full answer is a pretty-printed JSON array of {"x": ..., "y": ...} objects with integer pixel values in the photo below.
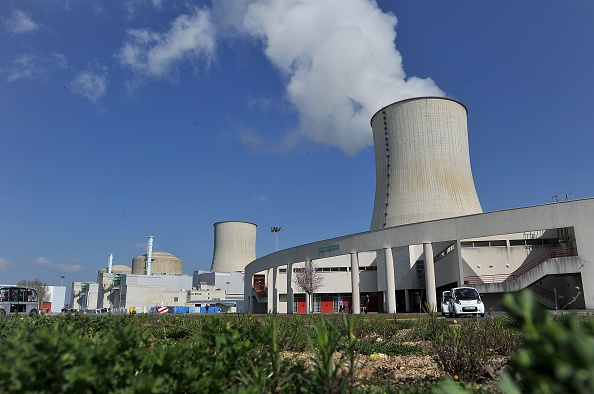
[{"x": 32, "y": 295}]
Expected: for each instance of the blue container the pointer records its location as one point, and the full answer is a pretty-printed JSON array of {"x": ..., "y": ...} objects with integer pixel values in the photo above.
[{"x": 179, "y": 309}]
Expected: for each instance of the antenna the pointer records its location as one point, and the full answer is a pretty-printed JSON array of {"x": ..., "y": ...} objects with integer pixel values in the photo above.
[{"x": 149, "y": 254}]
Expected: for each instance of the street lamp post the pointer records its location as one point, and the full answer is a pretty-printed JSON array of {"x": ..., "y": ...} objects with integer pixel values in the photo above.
[
  {"x": 276, "y": 230},
  {"x": 62, "y": 283}
]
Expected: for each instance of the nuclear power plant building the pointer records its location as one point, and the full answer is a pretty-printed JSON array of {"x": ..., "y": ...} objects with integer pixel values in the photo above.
[{"x": 428, "y": 233}]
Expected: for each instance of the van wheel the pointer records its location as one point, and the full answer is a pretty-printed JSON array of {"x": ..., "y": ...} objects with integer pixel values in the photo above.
[
  {"x": 482, "y": 315},
  {"x": 2, "y": 312},
  {"x": 33, "y": 313}
]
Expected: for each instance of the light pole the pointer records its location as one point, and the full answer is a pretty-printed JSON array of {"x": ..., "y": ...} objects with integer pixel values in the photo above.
[
  {"x": 276, "y": 230},
  {"x": 62, "y": 283}
]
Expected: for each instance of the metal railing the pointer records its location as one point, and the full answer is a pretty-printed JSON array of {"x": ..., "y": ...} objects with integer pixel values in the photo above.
[
  {"x": 498, "y": 278},
  {"x": 541, "y": 291}
]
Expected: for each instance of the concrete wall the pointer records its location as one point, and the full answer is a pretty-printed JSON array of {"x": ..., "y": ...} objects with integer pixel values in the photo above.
[{"x": 57, "y": 296}]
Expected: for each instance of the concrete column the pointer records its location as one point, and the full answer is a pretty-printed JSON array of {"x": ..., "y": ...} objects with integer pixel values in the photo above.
[
  {"x": 407, "y": 300},
  {"x": 269, "y": 290},
  {"x": 355, "y": 283},
  {"x": 390, "y": 285},
  {"x": 290, "y": 293},
  {"x": 430, "y": 276},
  {"x": 275, "y": 290},
  {"x": 460, "y": 263}
]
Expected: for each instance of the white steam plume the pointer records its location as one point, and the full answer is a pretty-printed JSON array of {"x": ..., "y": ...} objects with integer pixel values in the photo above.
[{"x": 339, "y": 58}]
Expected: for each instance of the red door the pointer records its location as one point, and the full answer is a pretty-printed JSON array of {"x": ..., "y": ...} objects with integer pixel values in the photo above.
[
  {"x": 300, "y": 304},
  {"x": 327, "y": 305}
]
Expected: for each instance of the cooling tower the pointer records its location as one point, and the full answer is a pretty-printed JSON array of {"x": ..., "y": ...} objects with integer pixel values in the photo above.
[
  {"x": 422, "y": 162},
  {"x": 162, "y": 263},
  {"x": 234, "y": 246}
]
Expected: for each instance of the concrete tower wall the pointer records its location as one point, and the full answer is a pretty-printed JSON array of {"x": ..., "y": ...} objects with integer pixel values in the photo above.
[
  {"x": 422, "y": 162},
  {"x": 234, "y": 246}
]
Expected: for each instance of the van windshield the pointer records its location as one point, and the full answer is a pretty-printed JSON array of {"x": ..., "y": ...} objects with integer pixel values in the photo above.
[
  {"x": 466, "y": 294},
  {"x": 446, "y": 296}
]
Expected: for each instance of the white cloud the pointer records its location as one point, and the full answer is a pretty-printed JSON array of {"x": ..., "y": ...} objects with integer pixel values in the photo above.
[
  {"x": 258, "y": 199},
  {"x": 42, "y": 261},
  {"x": 339, "y": 59},
  {"x": 28, "y": 66},
  {"x": 20, "y": 23},
  {"x": 90, "y": 85},
  {"x": 6, "y": 265},
  {"x": 158, "y": 55},
  {"x": 131, "y": 6}
]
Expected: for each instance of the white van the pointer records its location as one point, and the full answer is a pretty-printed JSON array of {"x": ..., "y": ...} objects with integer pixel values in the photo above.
[
  {"x": 466, "y": 301},
  {"x": 445, "y": 303}
]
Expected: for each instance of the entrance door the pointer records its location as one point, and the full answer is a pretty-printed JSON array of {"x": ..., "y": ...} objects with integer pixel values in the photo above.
[
  {"x": 327, "y": 304},
  {"x": 301, "y": 307}
]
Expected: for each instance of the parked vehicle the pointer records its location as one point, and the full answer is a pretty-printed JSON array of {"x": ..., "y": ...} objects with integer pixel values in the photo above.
[
  {"x": 18, "y": 300},
  {"x": 445, "y": 303},
  {"x": 465, "y": 301}
]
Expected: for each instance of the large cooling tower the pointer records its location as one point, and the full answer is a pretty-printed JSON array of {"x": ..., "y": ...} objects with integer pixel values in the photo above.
[
  {"x": 234, "y": 246},
  {"x": 422, "y": 162}
]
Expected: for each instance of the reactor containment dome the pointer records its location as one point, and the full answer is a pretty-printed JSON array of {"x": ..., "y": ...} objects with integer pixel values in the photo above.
[
  {"x": 162, "y": 263},
  {"x": 422, "y": 162},
  {"x": 234, "y": 246}
]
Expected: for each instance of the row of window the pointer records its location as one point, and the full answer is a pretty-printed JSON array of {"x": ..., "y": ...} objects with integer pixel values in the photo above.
[
  {"x": 512, "y": 242},
  {"x": 333, "y": 269},
  {"x": 18, "y": 294}
]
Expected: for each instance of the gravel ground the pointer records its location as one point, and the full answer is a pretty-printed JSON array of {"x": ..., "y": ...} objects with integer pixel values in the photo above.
[{"x": 381, "y": 369}]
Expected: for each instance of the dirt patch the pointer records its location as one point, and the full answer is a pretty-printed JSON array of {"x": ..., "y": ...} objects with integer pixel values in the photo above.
[{"x": 381, "y": 369}]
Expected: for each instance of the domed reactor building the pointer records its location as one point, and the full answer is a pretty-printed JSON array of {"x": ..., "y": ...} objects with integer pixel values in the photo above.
[
  {"x": 234, "y": 246},
  {"x": 162, "y": 263}
]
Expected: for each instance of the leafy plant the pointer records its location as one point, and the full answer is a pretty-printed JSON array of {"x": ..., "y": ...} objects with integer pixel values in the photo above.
[
  {"x": 326, "y": 375},
  {"x": 466, "y": 351},
  {"x": 556, "y": 357}
]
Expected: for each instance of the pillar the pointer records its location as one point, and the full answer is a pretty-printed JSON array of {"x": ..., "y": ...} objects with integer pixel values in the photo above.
[
  {"x": 390, "y": 285},
  {"x": 355, "y": 283},
  {"x": 430, "y": 276},
  {"x": 407, "y": 300},
  {"x": 269, "y": 291},
  {"x": 290, "y": 294},
  {"x": 460, "y": 262},
  {"x": 275, "y": 290}
]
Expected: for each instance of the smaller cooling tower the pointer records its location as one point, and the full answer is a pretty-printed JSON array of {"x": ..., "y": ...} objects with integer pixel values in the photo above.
[
  {"x": 422, "y": 162},
  {"x": 234, "y": 246},
  {"x": 163, "y": 263}
]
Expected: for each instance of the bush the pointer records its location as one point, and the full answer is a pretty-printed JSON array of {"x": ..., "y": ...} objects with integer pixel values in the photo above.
[
  {"x": 70, "y": 361},
  {"x": 468, "y": 351},
  {"x": 557, "y": 356}
]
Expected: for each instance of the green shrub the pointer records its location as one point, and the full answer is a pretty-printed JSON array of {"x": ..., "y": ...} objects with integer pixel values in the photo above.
[
  {"x": 467, "y": 351},
  {"x": 71, "y": 361},
  {"x": 557, "y": 355}
]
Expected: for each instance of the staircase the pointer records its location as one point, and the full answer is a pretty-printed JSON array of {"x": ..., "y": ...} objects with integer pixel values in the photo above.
[{"x": 552, "y": 262}]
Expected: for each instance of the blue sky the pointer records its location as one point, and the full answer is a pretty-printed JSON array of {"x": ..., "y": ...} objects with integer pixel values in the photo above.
[{"x": 120, "y": 120}]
